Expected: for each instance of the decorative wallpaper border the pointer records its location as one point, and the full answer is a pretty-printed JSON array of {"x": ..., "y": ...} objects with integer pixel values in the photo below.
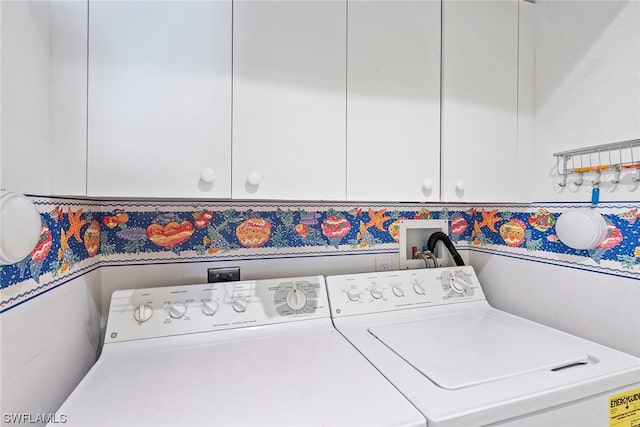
[{"x": 79, "y": 235}]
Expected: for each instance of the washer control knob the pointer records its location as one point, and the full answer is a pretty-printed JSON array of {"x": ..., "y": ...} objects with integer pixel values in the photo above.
[
  {"x": 397, "y": 290},
  {"x": 296, "y": 299},
  {"x": 240, "y": 304},
  {"x": 177, "y": 310},
  {"x": 458, "y": 285},
  {"x": 418, "y": 288},
  {"x": 353, "y": 293},
  {"x": 143, "y": 313},
  {"x": 376, "y": 292},
  {"x": 209, "y": 307}
]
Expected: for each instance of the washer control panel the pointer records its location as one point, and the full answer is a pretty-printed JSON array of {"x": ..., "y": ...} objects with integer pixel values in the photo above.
[
  {"x": 403, "y": 289},
  {"x": 176, "y": 310}
]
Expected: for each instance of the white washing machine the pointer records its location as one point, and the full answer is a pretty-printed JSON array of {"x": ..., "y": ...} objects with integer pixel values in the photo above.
[
  {"x": 261, "y": 353},
  {"x": 432, "y": 334}
]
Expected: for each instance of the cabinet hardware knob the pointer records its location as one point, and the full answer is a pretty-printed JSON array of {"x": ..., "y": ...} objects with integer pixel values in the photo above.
[
  {"x": 208, "y": 175},
  {"x": 427, "y": 184},
  {"x": 254, "y": 178},
  {"x": 460, "y": 184}
]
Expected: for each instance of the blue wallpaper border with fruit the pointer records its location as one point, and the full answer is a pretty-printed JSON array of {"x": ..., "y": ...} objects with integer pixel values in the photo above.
[{"x": 81, "y": 235}]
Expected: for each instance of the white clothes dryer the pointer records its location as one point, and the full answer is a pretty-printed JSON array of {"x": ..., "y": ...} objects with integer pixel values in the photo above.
[
  {"x": 432, "y": 333},
  {"x": 251, "y": 353}
]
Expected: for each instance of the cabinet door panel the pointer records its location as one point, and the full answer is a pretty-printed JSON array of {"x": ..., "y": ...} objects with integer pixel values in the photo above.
[
  {"x": 393, "y": 100},
  {"x": 68, "y": 93},
  {"x": 526, "y": 101},
  {"x": 480, "y": 95},
  {"x": 289, "y": 99},
  {"x": 159, "y": 98}
]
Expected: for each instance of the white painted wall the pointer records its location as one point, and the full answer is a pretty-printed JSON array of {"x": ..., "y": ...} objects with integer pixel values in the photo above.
[
  {"x": 598, "y": 307},
  {"x": 587, "y": 87},
  {"x": 47, "y": 346},
  {"x": 25, "y": 134}
]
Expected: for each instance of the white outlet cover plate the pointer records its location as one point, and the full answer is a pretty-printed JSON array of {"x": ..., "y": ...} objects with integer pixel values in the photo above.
[{"x": 383, "y": 263}]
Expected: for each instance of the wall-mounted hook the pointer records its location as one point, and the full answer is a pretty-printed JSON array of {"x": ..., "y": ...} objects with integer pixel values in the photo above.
[
  {"x": 616, "y": 177},
  {"x": 580, "y": 180},
  {"x": 564, "y": 173},
  {"x": 564, "y": 180}
]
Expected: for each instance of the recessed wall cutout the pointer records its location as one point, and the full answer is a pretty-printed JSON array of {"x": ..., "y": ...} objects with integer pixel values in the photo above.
[{"x": 416, "y": 233}]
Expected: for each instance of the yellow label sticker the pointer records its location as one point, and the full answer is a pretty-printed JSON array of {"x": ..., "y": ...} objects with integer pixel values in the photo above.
[{"x": 624, "y": 409}]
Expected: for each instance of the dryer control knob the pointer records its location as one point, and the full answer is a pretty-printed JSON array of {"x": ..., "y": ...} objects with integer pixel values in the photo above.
[
  {"x": 296, "y": 299},
  {"x": 458, "y": 285},
  {"x": 418, "y": 288},
  {"x": 177, "y": 310},
  {"x": 397, "y": 290},
  {"x": 376, "y": 292},
  {"x": 142, "y": 313},
  {"x": 353, "y": 294},
  {"x": 240, "y": 304},
  {"x": 209, "y": 307}
]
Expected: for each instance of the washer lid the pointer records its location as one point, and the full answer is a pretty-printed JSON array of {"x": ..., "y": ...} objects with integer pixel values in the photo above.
[
  {"x": 467, "y": 349},
  {"x": 248, "y": 377}
]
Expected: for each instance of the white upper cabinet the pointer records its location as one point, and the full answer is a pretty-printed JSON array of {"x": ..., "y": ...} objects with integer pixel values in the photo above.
[
  {"x": 289, "y": 84},
  {"x": 393, "y": 100},
  {"x": 159, "y": 99},
  {"x": 526, "y": 102},
  {"x": 480, "y": 101},
  {"x": 68, "y": 102}
]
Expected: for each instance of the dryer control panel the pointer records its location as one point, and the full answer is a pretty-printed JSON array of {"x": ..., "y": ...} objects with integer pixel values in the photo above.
[
  {"x": 177, "y": 310},
  {"x": 403, "y": 289}
]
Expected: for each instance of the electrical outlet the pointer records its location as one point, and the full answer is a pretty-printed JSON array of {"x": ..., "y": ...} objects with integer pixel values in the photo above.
[
  {"x": 223, "y": 274},
  {"x": 383, "y": 263}
]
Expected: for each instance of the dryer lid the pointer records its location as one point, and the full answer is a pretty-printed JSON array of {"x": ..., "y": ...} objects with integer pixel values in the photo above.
[{"x": 464, "y": 350}]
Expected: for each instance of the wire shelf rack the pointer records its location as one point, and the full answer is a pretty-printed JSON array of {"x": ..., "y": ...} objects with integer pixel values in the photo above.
[{"x": 615, "y": 157}]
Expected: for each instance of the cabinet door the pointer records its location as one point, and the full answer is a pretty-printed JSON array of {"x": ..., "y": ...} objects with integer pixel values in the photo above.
[
  {"x": 289, "y": 77},
  {"x": 393, "y": 100},
  {"x": 68, "y": 92},
  {"x": 480, "y": 96},
  {"x": 159, "y": 99}
]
